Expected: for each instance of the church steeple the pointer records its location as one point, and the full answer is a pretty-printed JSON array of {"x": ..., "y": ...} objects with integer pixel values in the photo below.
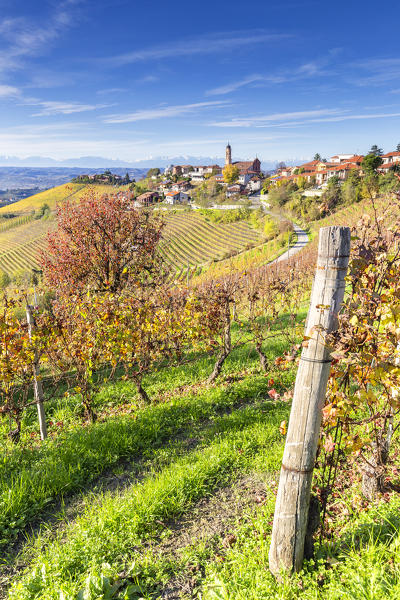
[{"x": 228, "y": 155}]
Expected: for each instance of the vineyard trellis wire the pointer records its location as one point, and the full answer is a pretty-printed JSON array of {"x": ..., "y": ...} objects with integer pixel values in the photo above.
[{"x": 192, "y": 321}]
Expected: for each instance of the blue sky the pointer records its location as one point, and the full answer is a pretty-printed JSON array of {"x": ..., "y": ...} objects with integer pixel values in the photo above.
[{"x": 133, "y": 80}]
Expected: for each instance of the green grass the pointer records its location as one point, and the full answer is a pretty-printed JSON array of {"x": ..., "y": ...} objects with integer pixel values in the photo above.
[
  {"x": 34, "y": 476},
  {"x": 67, "y": 463},
  {"x": 72, "y": 456},
  {"x": 112, "y": 527},
  {"x": 362, "y": 564}
]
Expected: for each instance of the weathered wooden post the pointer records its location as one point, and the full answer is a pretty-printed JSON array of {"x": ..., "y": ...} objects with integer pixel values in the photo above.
[
  {"x": 37, "y": 384},
  {"x": 293, "y": 498}
]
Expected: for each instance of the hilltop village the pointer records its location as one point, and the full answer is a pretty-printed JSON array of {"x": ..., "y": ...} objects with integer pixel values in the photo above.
[{"x": 238, "y": 181}]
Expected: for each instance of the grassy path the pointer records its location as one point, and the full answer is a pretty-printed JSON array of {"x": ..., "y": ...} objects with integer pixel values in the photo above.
[
  {"x": 43, "y": 483},
  {"x": 114, "y": 527}
]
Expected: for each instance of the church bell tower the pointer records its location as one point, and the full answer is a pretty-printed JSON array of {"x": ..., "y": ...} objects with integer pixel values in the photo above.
[{"x": 228, "y": 155}]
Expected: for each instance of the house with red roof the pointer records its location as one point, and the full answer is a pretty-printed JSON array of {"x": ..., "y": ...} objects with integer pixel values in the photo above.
[
  {"x": 176, "y": 197},
  {"x": 391, "y": 157}
]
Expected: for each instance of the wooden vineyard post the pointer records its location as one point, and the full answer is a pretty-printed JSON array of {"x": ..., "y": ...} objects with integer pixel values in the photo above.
[
  {"x": 37, "y": 384},
  {"x": 293, "y": 498}
]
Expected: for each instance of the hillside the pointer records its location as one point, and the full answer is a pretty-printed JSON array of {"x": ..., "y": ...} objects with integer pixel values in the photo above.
[
  {"x": 175, "y": 498},
  {"x": 50, "y": 197},
  {"x": 22, "y": 236},
  {"x": 188, "y": 240},
  {"x": 19, "y": 245}
]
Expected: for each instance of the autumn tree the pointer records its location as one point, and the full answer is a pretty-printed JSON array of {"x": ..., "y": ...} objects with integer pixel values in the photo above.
[
  {"x": 230, "y": 173},
  {"x": 272, "y": 298},
  {"x": 210, "y": 191},
  {"x": 218, "y": 297},
  {"x": 5, "y": 280},
  {"x": 153, "y": 329},
  {"x": 104, "y": 244}
]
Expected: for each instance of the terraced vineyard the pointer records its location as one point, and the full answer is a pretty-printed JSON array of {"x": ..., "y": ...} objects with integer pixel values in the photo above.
[
  {"x": 22, "y": 237},
  {"x": 54, "y": 195},
  {"x": 190, "y": 240},
  {"x": 50, "y": 197},
  {"x": 19, "y": 246}
]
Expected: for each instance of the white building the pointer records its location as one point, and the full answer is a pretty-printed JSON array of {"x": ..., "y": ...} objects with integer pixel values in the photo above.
[
  {"x": 391, "y": 157},
  {"x": 196, "y": 176},
  {"x": 254, "y": 185},
  {"x": 176, "y": 197},
  {"x": 244, "y": 178},
  {"x": 339, "y": 158}
]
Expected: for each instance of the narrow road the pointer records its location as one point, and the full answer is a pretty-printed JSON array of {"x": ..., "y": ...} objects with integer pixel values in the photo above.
[
  {"x": 302, "y": 236},
  {"x": 302, "y": 241}
]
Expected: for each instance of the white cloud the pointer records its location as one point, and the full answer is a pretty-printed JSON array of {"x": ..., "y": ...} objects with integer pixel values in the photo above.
[
  {"x": 26, "y": 39},
  {"x": 148, "y": 79},
  {"x": 235, "y": 85},
  {"x": 383, "y": 70},
  {"x": 304, "y": 71},
  {"x": 8, "y": 90},
  {"x": 289, "y": 119},
  {"x": 289, "y": 116},
  {"x": 358, "y": 117},
  {"x": 208, "y": 44},
  {"x": 50, "y": 108},
  {"x": 62, "y": 144},
  {"x": 114, "y": 90},
  {"x": 161, "y": 112}
]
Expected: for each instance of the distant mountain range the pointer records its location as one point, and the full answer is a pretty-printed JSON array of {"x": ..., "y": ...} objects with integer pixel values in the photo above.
[
  {"x": 43, "y": 172},
  {"x": 99, "y": 162},
  {"x": 21, "y": 177}
]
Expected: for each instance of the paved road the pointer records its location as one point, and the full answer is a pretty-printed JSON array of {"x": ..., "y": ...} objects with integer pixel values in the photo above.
[
  {"x": 302, "y": 236},
  {"x": 302, "y": 240}
]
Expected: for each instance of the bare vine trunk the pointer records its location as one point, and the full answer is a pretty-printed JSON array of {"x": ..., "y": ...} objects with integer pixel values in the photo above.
[
  {"x": 15, "y": 434},
  {"x": 227, "y": 346},
  {"x": 263, "y": 358},
  {"x": 89, "y": 413},
  {"x": 373, "y": 478},
  {"x": 142, "y": 392}
]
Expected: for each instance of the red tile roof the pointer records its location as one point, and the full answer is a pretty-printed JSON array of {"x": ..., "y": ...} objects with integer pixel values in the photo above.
[{"x": 390, "y": 154}]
